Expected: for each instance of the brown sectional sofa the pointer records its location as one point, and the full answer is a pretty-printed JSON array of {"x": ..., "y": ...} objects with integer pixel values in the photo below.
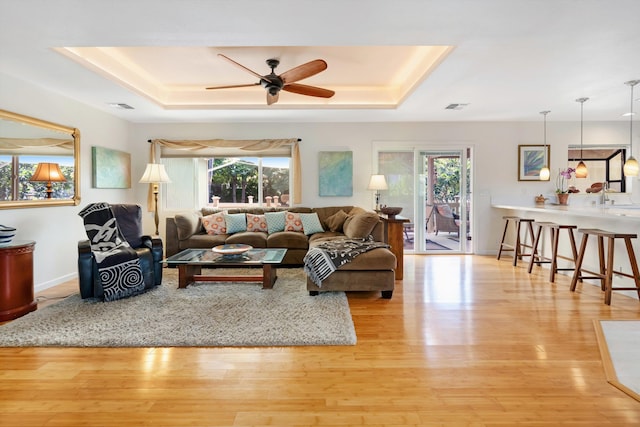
[{"x": 370, "y": 271}]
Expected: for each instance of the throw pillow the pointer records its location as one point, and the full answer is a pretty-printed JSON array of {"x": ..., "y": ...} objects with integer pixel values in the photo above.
[
  {"x": 356, "y": 210},
  {"x": 187, "y": 224},
  {"x": 215, "y": 223},
  {"x": 311, "y": 223},
  {"x": 292, "y": 222},
  {"x": 275, "y": 221},
  {"x": 235, "y": 222},
  {"x": 336, "y": 221},
  {"x": 360, "y": 225},
  {"x": 256, "y": 223}
]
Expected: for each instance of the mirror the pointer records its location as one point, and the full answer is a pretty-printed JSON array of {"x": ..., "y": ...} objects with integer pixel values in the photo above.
[
  {"x": 39, "y": 163},
  {"x": 604, "y": 163}
]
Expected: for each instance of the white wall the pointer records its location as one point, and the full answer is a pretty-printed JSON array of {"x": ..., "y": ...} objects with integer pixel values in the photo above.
[
  {"x": 57, "y": 230},
  {"x": 495, "y": 154}
]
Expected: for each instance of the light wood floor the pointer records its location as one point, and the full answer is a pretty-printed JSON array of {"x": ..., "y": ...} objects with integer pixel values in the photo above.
[{"x": 465, "y": 341}]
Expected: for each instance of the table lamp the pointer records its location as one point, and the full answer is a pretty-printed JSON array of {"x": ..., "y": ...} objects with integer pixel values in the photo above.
[
  {"x": 377, "y": 182},
  {"x": 155, "y": 174},
  {"x": 48, "y": 172}
]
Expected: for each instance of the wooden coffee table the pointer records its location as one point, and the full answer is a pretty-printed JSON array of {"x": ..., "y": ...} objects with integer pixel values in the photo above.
[{"x": 190, "y": 263}]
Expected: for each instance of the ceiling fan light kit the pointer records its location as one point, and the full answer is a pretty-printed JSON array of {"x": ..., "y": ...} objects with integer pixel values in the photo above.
[{"x": 286, "y": 81}]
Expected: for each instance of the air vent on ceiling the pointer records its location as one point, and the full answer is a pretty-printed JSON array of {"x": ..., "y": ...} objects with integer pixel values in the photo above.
[
  {"x": 455, "y": 106},
  {"x": 121, "y": 105}
]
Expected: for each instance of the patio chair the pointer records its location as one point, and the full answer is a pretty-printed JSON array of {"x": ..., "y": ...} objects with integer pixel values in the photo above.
[{"x": 445, "y": 219}]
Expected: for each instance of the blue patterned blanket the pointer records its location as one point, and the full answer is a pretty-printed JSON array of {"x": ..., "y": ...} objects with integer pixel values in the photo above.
[{"x": 118, "y": 263}]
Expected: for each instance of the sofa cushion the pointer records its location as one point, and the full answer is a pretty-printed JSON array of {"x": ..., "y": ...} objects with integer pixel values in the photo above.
[
  {"x": 287, "y": 239},
  {"x": 323, "y": 237},
  {"x": 336, "y": 221},
  {"x": 275, "y": 221},
  {"x": 357, "y": 210},
  {"x": 292, "y": 222},
  {"x": 255, "y": 239},
  {"x": 235, "y": 222},
  {"x": 188, "y": 224},
  {"x": 360, "y": 225},
  {"x": 214, "y": 223},
  {"x": 311, "y": 223},
  {"x": 256, "y": 223}
]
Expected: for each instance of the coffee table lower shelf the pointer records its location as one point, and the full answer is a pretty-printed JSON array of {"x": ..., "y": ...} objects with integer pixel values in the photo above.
[
  {"x": 189, "y": 274},
  {"x": 190, "y": 263}
]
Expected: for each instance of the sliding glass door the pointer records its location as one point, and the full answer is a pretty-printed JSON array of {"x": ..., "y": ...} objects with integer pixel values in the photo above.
[{"x": 433, "y": 188}]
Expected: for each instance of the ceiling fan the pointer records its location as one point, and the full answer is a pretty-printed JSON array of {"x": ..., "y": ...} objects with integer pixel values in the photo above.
[{"x": 274, "y": 83}]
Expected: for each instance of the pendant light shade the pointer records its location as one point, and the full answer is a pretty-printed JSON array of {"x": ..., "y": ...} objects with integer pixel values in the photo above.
[
  {"x": 581, "y": 169},
  {"x": 631, "y": 165},
  {"x": 545, "y": 173}
]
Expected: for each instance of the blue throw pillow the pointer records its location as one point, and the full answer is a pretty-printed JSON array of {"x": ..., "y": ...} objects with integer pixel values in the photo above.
[
  {"x": 311, "y": 223},
  {"x": 275, "y": 221},
  {"x": 235, "y": 222}
]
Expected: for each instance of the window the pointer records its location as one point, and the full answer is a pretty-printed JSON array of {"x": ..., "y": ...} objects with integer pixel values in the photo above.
[
  {"x": 234, "y": 180},
  {"x": 15, "y": 172}
]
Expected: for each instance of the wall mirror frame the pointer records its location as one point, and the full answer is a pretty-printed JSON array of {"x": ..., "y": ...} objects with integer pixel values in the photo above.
[
  {"x": 41, "y": 129},
  {"x": 604, "y": 163}
]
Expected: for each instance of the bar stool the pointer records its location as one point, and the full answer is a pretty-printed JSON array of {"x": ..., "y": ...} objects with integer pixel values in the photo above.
[
  {"x": 554, "y": 250},
  {"x": 605, "y": 275},
  {"x": 517, "y": 247},
  {"x": 538, "y": 258}
]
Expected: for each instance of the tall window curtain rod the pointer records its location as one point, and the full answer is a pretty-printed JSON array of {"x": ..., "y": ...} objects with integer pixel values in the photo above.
[{"x": 255, "y": 146}]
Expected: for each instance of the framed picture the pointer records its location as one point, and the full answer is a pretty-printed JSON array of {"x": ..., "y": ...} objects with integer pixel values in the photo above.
[
  {"x": 531, "y": 158},
  {"x": 111, "y": 168},
  {"x": 336, "y": 173}
]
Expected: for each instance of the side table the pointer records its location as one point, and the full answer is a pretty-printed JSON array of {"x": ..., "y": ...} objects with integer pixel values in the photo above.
[
  {"x": 16, "y": 279},
  {"x": 394, "y": 236}
]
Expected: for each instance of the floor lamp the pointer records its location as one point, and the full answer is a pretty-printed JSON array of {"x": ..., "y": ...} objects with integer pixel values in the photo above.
[
  {"x": 155, "y": 174},
  {"x": 48, "y": 172}
]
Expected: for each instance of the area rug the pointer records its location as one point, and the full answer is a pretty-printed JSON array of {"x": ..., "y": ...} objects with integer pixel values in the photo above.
[
  {"x": 619, "y": 343},
  {"x": 203, "y": 314}
]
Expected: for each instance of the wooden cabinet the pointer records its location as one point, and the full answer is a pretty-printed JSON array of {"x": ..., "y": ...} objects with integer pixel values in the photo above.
[
  {"x": 16, "y": 279},
  {"x": 393, "y": 234}
]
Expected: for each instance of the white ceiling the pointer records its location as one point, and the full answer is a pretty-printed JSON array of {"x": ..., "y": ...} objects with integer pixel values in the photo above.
[{"x": 510, "y": 60}]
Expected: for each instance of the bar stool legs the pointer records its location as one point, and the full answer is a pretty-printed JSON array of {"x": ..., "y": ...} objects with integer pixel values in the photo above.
[
  {"x": 517, "y": 248},
  {"x": 554, "y": 251},
  {"x": 605, "y": 275},
  {"x": 538, "y": 258}
]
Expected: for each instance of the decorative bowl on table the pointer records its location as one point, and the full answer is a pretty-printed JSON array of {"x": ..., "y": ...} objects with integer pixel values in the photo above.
[
  {"x": 235, "y": 250},
  {"x": 6, "y": 234},
  {"x": 391, "y": 211}
]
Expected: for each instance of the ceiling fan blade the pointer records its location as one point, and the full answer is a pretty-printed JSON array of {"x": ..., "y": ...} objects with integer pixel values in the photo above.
[
  {"x": 237, "y": 64},
  {"x": 232, "y": 86},
  {"x": 272, "y": 99},
  {"x": 303, "y": 71},
  {"x": 308, "y": 90}
]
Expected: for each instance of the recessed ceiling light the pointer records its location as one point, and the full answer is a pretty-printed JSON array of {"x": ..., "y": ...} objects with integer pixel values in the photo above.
[
  {"x": 120, "y": 105},
  {"x": 455, "y": 106}
]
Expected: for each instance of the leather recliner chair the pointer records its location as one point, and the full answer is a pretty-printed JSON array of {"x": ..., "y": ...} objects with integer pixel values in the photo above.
[{"x": 149, "y": 250}]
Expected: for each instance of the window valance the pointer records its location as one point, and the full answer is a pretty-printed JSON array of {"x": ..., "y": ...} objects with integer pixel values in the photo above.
[
  {"x": 288, "y": 147},
  {"x": 36, "y": 146}
]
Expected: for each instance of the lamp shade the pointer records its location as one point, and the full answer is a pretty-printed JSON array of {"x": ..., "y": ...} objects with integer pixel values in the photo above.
[
  {"x": 545, "y": 173},
  {"x": 377, "y": 182},
  {"x": 154, "y": 173},
  {"x": 48, "y": 172},
  {"x": 631, "y": 167},
  {"x": 581, "y": 170}
]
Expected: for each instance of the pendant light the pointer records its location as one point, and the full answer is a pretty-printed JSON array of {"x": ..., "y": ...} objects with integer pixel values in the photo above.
[
  {"x": 631, "y": 165},
  {"x": 581, "y": 169},
  {"x": 544, "y": 171}
]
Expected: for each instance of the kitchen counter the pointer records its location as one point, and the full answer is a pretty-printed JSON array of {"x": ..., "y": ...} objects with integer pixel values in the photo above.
[{"x": 617, "y": 212}]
